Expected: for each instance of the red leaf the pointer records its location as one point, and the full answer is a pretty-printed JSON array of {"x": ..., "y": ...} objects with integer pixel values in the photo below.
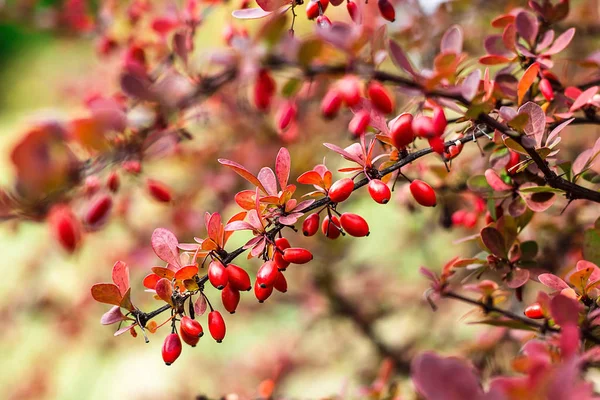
[
  {"x": 557, "y": 130},
  {"x": 164, "y": 244},
  {"x": 470, "y": 85},
  {"x": 583, "y": 98},
  {"x": 495, "y": 181},
  {"x": 243, "y": 172},
  {"x": 271, "y": 5},
  {"x": 310, "y": 178},
  {"x": 163, "y": 272},
  {"x": 518, "y": 277},
  {"x": 493, "y": 60},
  {"x": 150, "y": 281},
  {"x": 107, "y": 293},
  {"x": 187, "y": 272},
  {"x": 348, "y": 156},
  {"x": 112, "y": 316},
  {"x": 120, "y": 276},
  {"x": 213, "y": 227},
  {"x": 452, "y": 41},
  {"x": 266, "y": 176},
  {"x": 552, "y": 281},
  {"x": 400, "y": 59},
  {"x": 494, "y": 241},
  {"x": 245, "y": 199},
  {"x": 200, "y": 306},
  {"x": 536, "y": 125},
  {"x": 238, "y": 226},
  {"x": 282, "y": 167},
  {"x": 564, "y": 310},
  {"x": 527, "y": 26},
  {"x": 561, "y": 42},
  {"x": 164, "y": 290}
]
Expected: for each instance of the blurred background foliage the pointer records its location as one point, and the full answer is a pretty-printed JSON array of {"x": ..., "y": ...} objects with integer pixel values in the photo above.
[{"x": 357, "y": 303}]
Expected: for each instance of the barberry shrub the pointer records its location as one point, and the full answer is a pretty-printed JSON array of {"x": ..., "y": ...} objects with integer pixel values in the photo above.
[{"x": 488, "y": 135}]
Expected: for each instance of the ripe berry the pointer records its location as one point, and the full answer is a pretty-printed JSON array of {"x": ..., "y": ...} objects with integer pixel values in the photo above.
[
  {"x": 310, "y": 226},
  {"x": 267, "y": 273},
  {"x": 280, "y": 283},
  {"x": 349, "y": 89},
  {"x": 297, "y": 255},
  {"x": 380, "y": 97},
  {"x": 191, "y": 327},
  {"x": 387, "y": 10},
  {"x": 65, "y": 227},
  {"x": 171, "y": 348},
  {"x": 353, "y": 11},
  {"x": 458, "y": 217},
  {"x": 423, "y": 193},
  {"x": 323, "y": 21},
  {"x": 230, "y": 298},
  {"x": 379, "y": 191},
  {"x": 439, "y": 121},
  {"x": 99, "y": 210},
  {"x": 112, "y": 182},
  {"x": 159, "y": 191},
  {"x": 281, "y": 244},
  {"x": 437, "y": 144},
  {"x": 331, "y": 103},
  {"x": 453, "y": 151},
  {"x": 470, "y": 220},
  {"x": 264, "y": 90},
  {"x": 189, "y": 339},
  {"x": 287, "y": 113},
  {"x": 312, "y": 8},
  {"x": 216, "y": 326},
  {"x": 341, "y": 190},
  {"x": 331, "y": 228},
  {"x": 423, "y": 126},
  {"x": 359, "y": 123},
  {"x": 217, "y": 274},
  {"x": 401, "y": 131},
  {"x": 262, "y": 293},
  {"x": 534, "y": 311},
  {"x": 238, "y": 278},
  {"x": 354, "y": 225},
  {"x": 132, "y": 166},
  {"x": 546, "y": 89}
]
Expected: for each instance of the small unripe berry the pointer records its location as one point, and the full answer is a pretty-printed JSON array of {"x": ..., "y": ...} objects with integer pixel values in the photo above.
[
  {"x": 310, "y": 226},
  {"x": 380, "y": 97},
  {"x": 262, "y": 293},
  {"x": 238, "y": 278},
  {"x": 423, "y": 193},
  {"x": 312, "y": 8},
  {"x": 534, "y": 311},
  {"x": 423, "y": 126},
  {"x": 191, "y": 326},
  {"x": 217, "y": 274},
  {"x": 331, "y": 103},
  {"x": 401, "y": 131},
  {"x": 387, "y": 10},
  {"x": 171, "y": 349},
  {"x": 546, "y": 89},
  {"x": 216, "y": 326},
  {"x": 267, "y": 273},
  {"x": 297, "y": 255},
  {"x": 281, "y": 244},
  {"x": 280, "y": 283},
  {"x": 98, "y": 210},
  {"x": 65, "y": 227},
  {"x": 341, "y": 190},
  {"x": 112, "y": 182},
  {"x": 230, "y": 298},
  {"x": 189, "y": 339},
  {"x": 159, "y": 191},
  {"x": 331, "y": 228},
  {"x": 359, "y": 123},
  {"x": 264, "y": 89},
  {"x": 354, "y": 225},
  {"x": 379, "y": 191}
]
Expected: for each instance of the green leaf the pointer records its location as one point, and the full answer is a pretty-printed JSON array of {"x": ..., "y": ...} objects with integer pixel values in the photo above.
[
  {"x": 478, "y": 183},
  {"x": 540, "y": 189},
  {"x": 519, "y": 122},
  {"x": 309, "y": 50},
  {"x": 507, "y": 323},
  {"x": 529, "y": 250},
  {"x": 591, "y": 245},
  {"x": 291, "y": 87},
  {"x": 566, "y": 168}
]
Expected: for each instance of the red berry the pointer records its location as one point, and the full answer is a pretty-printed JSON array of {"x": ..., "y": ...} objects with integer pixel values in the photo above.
[
  {"x": 159, "y": 191},
  {"x": 280, "y": 283},
  {"x": 99, "y": 210},
  {"x": 359, "y": 123},
  {"x": 91, "y": 185},
  {"x": 217, "y": 274},
  {"x": 65, "y": 227},
  {"x": 230, "y": 298},
  {"x": 331, "y": 229},
  {"x": 262, "y": 293},
  {"x": 323, "y": 21},
  {"x": 267, "y": 273},
  {"x": 353, "y": 11},
  {"x": 171, "y": 348},
  {"x": 216, "y": 326},
  {"x": 310, "y": 226},
  {"x": 470, "y": 220},
  {"x": 132, "y": 166},
  {"x": 380, "y": 97},
  {"x": 453, "y": 151},
  {"x": 349, "y": 89},
  {"x": 379, "y": 191},
  {"x": 546, "y": 89},
  {"x": 238, "y": 278},
  {"x": 437, "y": 144},
  {"x": 513, "y": 160},
  {"x": 189, "y": 339},
  {"x": 191, "y": 326},
  {"x": 423, "y": 193},
  {"x": 387, "y": 10},
  {"x": 458, "y": 217},
  {"x": 297, "y": 255},
  {"x": 439, "y": 121},
  {"x": 281, "y": 244},
  {"x": 354, "y": 225},
  {"x": 112, "y": 182},
  {"x": 312, "y": 8},
  {"x": 401, "y": 131},
  {"x": 264, "y": 90},
  {"x": 331, "y": 103},
  {"x": 287, "y": 113},
  {"x": 423, "y": 126},
  {"x": 341, "y": 190},
  {"x": 534, "y": 311}
]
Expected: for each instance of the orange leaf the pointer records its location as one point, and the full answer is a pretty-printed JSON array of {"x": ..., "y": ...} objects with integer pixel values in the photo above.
[
  {"x": 163, "y": 272},
  {"x": 164, "y": 290},
  {"x": 527, "y": 80},
  {"x": 107, "y": 293},
  {"x": 186, "y": 272}
]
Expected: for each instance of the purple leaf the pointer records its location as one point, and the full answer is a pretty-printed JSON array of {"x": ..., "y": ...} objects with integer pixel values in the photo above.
[
  {"x": 303, "y": 204},
  {"x": 238, "y": 226},
  {"x": 537, "y": 121},
  {"x": 527, "y": 26},
  {"x": 470, "y": 85},
  {"x": 495, "y": 181},
  {"x": 452, "y": 41},
  {"x": 125, "y": 329},
  {"x": 581, "y": 162},
  {"x": 200, "y": 306},
  {"x": 136, "y": 86},
  {"x": 494, "y": 45},
  {"x": 557, "y": 130},
  {"x": 164, "y": 243},
  {"x": 268, "y": 180},
  {"x": 564, "y": 310},
  {"x": 494, "y": 241},
  {"x": 180, "y": 45},
  {"x": 507, "y": 113},
  {"x": 552, "y": 281},
  {"x": 518, "y": 277},
  {"x": 112, "y": 316},
  {"x": 561, "y": 42},
  {"x": 282, "y": 167},
  {"x": 400, "y": 59},
  {"x": 546, "y": 40},
  {"x": 290, "y": 219},
  {"x": 539, "y": 201},
  {"x": 250, "y": 13},
  {"x": 343, "y": 153}
]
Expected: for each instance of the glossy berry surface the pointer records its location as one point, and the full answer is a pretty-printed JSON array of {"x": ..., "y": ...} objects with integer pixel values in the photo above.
[
  {"x": 331, "y": 227},
  {"x": 380, "y": 97},
  {"x": 534, "y": 311},
  {"x": 310, "y": 226},
  {"x": 423, "y": 193},
  {"x": 297, "y": 255},
  {"x": 216, "y": 326},
  {"x": 230, "y": 298},
  {"x": 266, "y": 274},
  {"x": 171, "y": 349},
  {"x": 191, "y": 326},
  {"x": 217, "y": 274},
  {"x": 354, "y": 225},
  {"x": 341, "y": 190},
  {"x": 379, "y": 191},
  {"x": 401, "y": 131},
  {"x": 238, "y": 278}
]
